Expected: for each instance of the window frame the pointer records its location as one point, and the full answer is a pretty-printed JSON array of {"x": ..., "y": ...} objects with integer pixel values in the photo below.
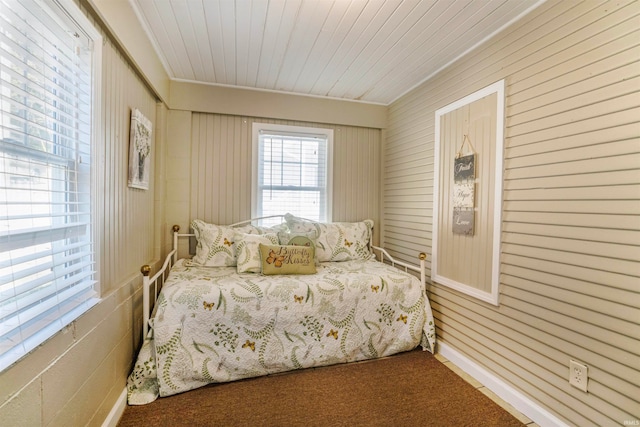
[{"x": 288, "y": 130}]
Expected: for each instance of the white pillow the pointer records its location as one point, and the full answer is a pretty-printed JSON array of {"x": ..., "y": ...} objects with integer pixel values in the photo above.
[{"x": 248, "y": 250}]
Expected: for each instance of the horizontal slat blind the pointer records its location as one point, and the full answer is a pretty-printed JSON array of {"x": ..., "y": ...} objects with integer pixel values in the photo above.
[
  {"x": 46, "y": 256},
  {"x": 292, "y": 175}
]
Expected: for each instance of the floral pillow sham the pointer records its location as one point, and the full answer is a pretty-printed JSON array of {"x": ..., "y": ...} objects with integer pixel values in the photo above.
[
  {"x": 338, "y": 241},
  {"x": 216, "y": 244},
  {"x": 248, "y": 250}
]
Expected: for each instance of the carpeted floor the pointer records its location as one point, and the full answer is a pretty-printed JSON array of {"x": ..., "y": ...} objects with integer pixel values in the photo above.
[{"x": 408, "y": 389}]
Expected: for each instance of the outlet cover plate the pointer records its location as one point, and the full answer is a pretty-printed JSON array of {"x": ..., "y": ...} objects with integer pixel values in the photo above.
[{"x": 578, "y": 375}]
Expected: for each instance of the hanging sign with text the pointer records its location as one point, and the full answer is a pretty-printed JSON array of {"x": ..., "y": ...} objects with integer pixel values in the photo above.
[
  {"x": 464, "y": 168},
  {"x": 464, "y": 173},
  {"x": 463, "y": 194},
  {"x": 463, "y": 221}
]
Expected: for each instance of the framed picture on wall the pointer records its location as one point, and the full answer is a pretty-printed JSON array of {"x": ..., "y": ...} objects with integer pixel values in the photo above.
[{"x": 139, "y": 151}]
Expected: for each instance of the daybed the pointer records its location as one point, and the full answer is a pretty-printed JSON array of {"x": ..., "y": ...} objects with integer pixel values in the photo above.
[{"x": 229, "y": 312}]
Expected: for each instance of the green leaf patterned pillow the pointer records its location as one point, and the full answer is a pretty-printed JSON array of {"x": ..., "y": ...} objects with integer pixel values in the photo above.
[
  {"x": 278, "y": 259},
  {"x": 216, "y": 243},
  {"x": 337, "y": 241},
  {"x": 248, "y": 250},
  {"x": 279, "y": 228}
]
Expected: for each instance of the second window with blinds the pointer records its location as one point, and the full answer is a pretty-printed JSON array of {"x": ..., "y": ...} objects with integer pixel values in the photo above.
[{"x": 292, "y": 171}]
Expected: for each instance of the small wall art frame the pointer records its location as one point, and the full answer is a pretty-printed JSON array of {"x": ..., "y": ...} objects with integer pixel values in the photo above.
[{"x": 140, "y": 144}]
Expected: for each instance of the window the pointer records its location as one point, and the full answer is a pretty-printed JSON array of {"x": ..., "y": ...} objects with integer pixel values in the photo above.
[
  {"x": 292, "y": 171},
  {"x": 47, "y": 80}
]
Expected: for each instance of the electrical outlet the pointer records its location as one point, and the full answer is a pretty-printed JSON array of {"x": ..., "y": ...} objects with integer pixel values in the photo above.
[{"x": 578, "y": 375}]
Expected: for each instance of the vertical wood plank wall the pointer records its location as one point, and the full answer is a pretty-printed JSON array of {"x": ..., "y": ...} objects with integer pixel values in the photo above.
[
  {"x": 570, "y": 258},
  {"x": 129, "y": 213},
  {"x": 218, "y": 165}
]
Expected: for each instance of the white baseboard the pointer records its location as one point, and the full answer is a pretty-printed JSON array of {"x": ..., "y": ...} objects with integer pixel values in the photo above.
[
  {"x": 117, "y": 410},
  {"x": 518, "y": 400}
]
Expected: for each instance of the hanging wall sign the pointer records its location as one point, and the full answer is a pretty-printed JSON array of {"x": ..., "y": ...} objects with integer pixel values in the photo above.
[
  {"x": 464, "y": 168},
  {"x": 463, "y": 194},
  {"x": 464, "y": 188},
  {"x": 463, "y": 221}
]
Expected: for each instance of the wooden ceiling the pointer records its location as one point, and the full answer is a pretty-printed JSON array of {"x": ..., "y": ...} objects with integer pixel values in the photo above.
[{"x": 372, "y": 51}]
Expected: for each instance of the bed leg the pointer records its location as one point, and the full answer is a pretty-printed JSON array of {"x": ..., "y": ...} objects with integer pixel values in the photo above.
[
  {"x": 176, "y": 228},
  {"x": 145, "y": 270},
  {"x": 423, "y": 269}
]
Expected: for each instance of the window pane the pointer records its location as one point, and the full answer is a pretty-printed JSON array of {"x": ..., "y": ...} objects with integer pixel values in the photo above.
[
  {"x": 291, "y": 150},
  {"x": 310, "y": 152},
  {"x": 310, "y": 176},
  {"x": 291, "y": 174},
  {"x": 272, "y": 174},
  {"x": 303, "y": 203}
]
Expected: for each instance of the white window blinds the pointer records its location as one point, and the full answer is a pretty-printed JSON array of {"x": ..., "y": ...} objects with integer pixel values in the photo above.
[
  {"x": 46, "y": 249},
  {"x": 293, "y": 174}
]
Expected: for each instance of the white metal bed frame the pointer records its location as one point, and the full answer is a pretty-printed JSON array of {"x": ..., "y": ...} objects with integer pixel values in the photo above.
[{"x": 172, "y": 257}]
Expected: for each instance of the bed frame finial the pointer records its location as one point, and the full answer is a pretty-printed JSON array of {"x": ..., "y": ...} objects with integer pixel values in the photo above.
[
  {"x": 423, "y": 266},
  {"x": 145, "y": 270},
  {"x": 176, "y": 228}
]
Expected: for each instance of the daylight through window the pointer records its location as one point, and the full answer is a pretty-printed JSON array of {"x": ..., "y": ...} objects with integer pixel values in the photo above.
[
  {"x": 47, "y": 267},
  {"x": 293, "y": 172}
]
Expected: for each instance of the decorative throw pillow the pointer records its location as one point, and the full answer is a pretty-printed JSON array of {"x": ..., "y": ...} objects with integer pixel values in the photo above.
[
  {"x": 248, "y": 250},
  {"x": 215, "y": 243},
  {"x": 277, "y": 259},
  {"x": 338, "y": 241},
  {"x": 308, "y": 239}
]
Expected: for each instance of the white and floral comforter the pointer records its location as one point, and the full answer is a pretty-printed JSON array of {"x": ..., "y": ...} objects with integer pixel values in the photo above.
[{"x": 215, "y": 325}]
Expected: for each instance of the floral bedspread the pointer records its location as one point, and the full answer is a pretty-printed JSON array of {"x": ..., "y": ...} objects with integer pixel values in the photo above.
[{"x": 215, "y": 325}]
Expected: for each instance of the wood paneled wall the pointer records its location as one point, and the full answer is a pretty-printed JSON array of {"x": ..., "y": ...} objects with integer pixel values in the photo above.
[
  {"x": 570, "y": 258},
  {"x": 210, "y": 169},
  {"x": 128, "y": 236}
]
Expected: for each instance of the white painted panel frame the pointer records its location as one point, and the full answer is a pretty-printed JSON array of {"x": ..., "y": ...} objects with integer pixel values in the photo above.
[{"x": 491, "y": 297}]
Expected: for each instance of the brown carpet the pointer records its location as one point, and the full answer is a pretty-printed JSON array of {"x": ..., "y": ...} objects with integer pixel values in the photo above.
[{"x": 408, "y": 389}]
